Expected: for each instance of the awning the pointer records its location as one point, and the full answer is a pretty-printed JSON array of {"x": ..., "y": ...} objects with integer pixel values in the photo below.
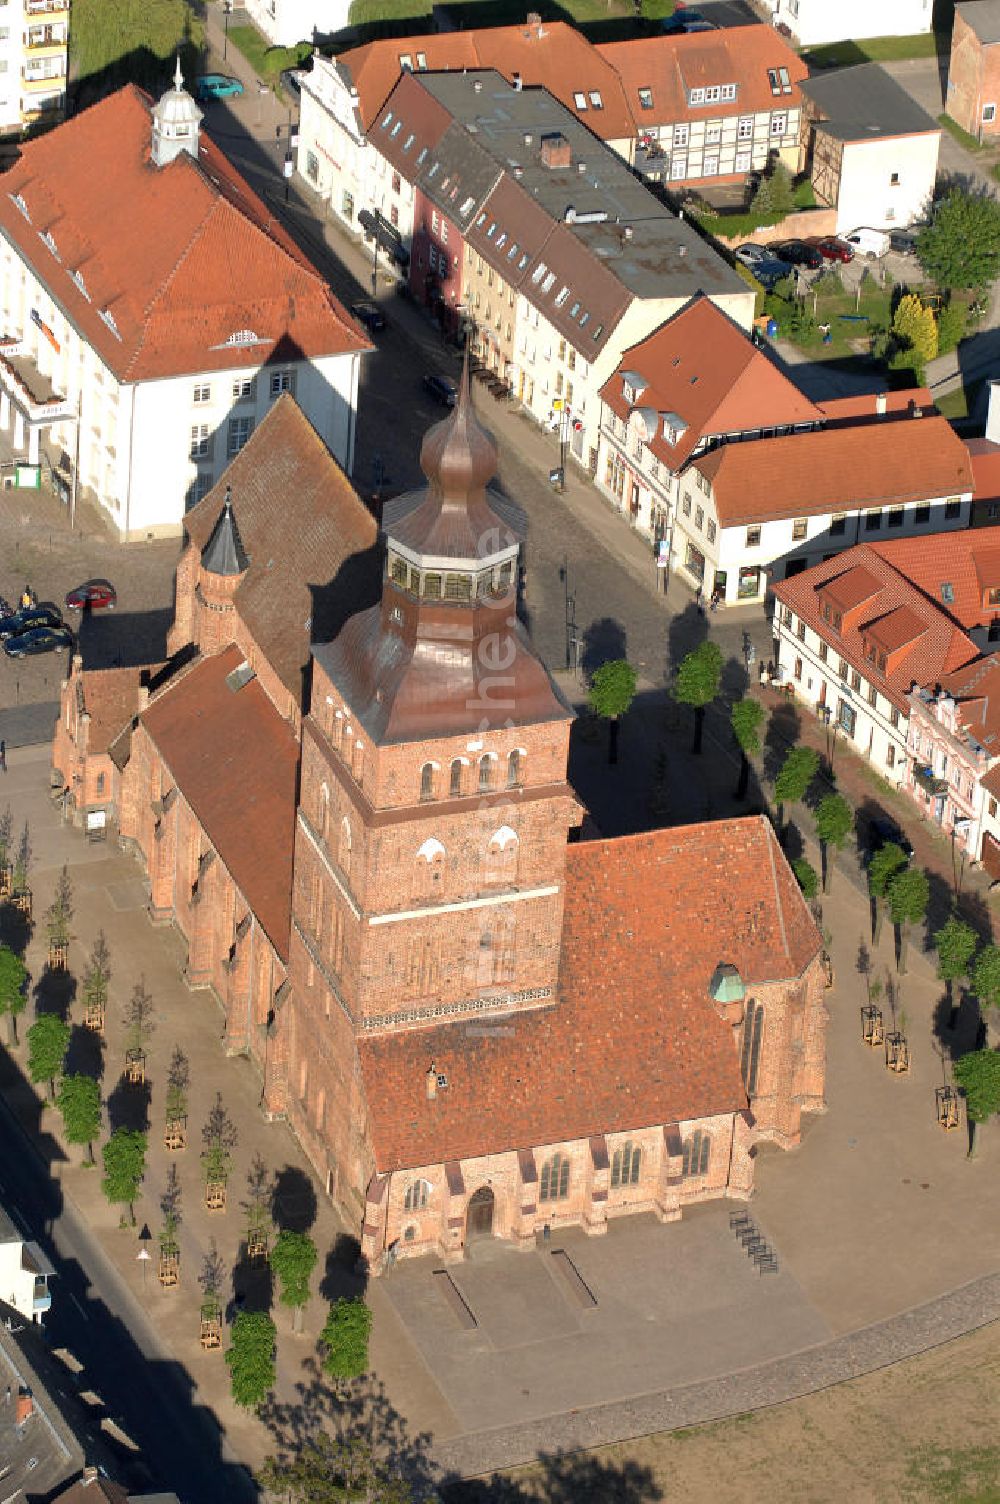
[{"x": 924, "y": 778}]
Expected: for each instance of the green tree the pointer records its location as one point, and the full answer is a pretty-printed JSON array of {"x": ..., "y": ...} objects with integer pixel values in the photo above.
[
  {"x": 251, "y": 1358},
  {"x": 745, "y": 719},
  {"x": 59, "y": 913},
  {"x": 138, "y": 1017},
  {"x": 952, "y": 323},
  {"x": 6, "y": 829},
  {"x": 324, "y": 1470},
  {"x": 13, "y": 985},
  {"x": 293, "y": 1259},
  {"x": 344, "y": 1338},
  {"x": 22, "y": 862},
  {"x": 908, "y": 893},
  {"x": 978, "y": 1074},
  {"x": 914, "y": 336},
  {"x": 133, "y": 41},
  {"x": 124, "y": 1157},
  {"x": 796, "y": 773},
  {"x": 834, "y": 822},
  {"x": 774, "y": 197},
  {"x": 48, "y": 1041},
  {"x": 698, "y": 683},
  {"x": 882, "y": 868},
  {"x": 805, "y": 876},
  {"x": 955, "y": 943},
  {"x": 986, "y": 979},
  {"x": 612, "y": 690},
  {"x": 961, "y": 245},
  {"x": 79, "y": 1101}
]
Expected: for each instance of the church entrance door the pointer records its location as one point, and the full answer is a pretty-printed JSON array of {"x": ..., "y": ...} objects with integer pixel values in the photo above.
[{"x": 479, "y": 1223}]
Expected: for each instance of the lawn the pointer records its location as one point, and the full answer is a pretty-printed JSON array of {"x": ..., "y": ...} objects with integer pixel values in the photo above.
[
  {"x": 875, "y": 50},
  {"x": 851, "y": 322},
  {"x": 962, "y": 137},
  {"x": 266, "y": 61},
  {"x": 131, "y": 41},
  {"x": 960, "y": 402}
]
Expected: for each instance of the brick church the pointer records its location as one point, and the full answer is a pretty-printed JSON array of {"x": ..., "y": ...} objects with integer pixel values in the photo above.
[{"x": 348, "y": 788}]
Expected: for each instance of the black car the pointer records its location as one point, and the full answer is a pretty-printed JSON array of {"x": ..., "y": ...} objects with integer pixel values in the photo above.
[
  {"x": 51, "y": 639},
  {"x": 27, "y": 617},
  {"x": 369, "y": 316},
  {"x": 685, "y": 20},
  {"x": 442, "y": 389},
  {"x": 882, "y": 831},
  {"x": 798, "y": 253}
]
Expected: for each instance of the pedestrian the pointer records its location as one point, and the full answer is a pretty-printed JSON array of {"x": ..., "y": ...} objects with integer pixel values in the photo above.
[
  {"x": 3, "y": 757},
  {"x": 25, "y": 597}
]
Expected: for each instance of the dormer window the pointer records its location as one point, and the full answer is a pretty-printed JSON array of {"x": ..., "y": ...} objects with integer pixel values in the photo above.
[
  {"x": 406, "y": 62},
  {"x": 421, "y": 60},
  {"x": 646, "y": 99},
  {"x": 78, "y": 279},
  {"x": 993, "y": 596},
  {"x": 387, "y": 121}
]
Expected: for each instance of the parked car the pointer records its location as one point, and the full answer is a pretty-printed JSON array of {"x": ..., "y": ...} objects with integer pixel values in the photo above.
[
  {"x": 684, "y": 19},
  {"x": 369, "y": 315},
  {"x": 749, "y": 253},
  {"x": 798, "y": 253},
  {"x": 902, "y": 242},
  {"x": 770, "y": 271},
  {"x": 217, "y": 86},
  {"x": 442, "y": 389},
  {"x": 50, "y": 639},
  {"x": 832, "y": 248},
  {"x": 31, "y": 616},
  {"x": 882, "y": 831},
  {"x": 99, "y": 595},
  {"x": 868, "y": 242}
]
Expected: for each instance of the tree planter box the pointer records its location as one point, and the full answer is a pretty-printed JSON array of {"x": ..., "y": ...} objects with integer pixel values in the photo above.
[
  {"x": 257, "y": 1246},
  {"x": 169, "y": 1271},
  {"x": 22, "y": 902},
  {"x": 4, "y": 882},
  {"x": 897, "y": 1053},
  {"x": 211, "y": 1332},
  {"x": 175, "y": 1134},
  {"x": 215, "y": 1196},
  {"x": 135, "y": 1066},
  {"x": 58, "y": 954},
  {"x": 93, "y": 1017}
]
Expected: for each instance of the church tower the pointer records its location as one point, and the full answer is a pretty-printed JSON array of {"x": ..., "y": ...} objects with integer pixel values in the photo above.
[{"x": 434, "y": 808}]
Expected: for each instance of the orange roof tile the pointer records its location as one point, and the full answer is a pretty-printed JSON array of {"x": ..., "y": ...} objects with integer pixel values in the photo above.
[
  {"x": 701, "y": 366},
  {"x": 877, "y": 407},
  {"x": 235, "y": 761},
  {"x": 967, "y": 561},
  {"x": 976, "y": 690},
  {"x": 634, "y": 1040},
  {"x": 835, "y": 470},
  {"x": 554, "y": 56},
  {"x": 985, "y": 458},
  {"x": 671, "y": 66},
  {"x": 932, "y": 643},
  {"x": 310, "y": 539},
  {"x": 182, "y": 258},
  {"x": 110, "y": 698}
]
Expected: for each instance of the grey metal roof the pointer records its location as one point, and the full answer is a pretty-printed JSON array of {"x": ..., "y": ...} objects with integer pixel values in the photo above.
[
  {"x": 224, "y": 552},
  {"x": 9, "y": 1232},
  {"x": 865, "y": 103},
  {"x": 984, "y": 18}
]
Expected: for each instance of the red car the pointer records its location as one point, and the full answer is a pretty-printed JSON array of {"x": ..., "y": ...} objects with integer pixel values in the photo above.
[
  {"x": 832, "y": 249},
  {"x": 98, "y": 595}
]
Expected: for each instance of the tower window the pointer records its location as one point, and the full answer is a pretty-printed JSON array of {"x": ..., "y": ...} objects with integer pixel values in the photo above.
[
  {"x": 455, "y": 779},
  {"x": 344, "y": 847},
  {"x": 427, "y": 781},
  {"x": 486, "y": 772},
  {"x": 398, "y": 571},
  {"x": 514, "y": 770},
  {"x": 458, "y": 587}
]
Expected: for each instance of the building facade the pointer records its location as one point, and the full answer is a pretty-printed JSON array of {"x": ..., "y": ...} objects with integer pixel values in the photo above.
[
  {"x": 813, "y": 23},
  {"x": 34, "y": 43},
  {"x": 973, "y": 94},
  {"x": 24, "y": 1273},
  {"x": 285, "y": 22},
  {"x": 142, "y": 362}
]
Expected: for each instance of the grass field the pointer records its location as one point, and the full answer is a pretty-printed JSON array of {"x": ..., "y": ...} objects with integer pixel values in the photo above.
[
  {"x": 874, "y": 50},
  {"x": 962, "y": 137},
  {"x": 851, "y": 322},
  {"x": 266, "y": 61},
  {"x": 959, "y": 403},
  {"x": 132, "y": 40}
]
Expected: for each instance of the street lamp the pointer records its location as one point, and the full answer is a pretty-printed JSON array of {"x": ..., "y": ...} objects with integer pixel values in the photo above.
[{"x": 227, "y": 6}]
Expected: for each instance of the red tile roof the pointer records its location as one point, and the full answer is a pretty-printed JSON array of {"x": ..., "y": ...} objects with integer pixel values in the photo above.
[
  {"x": 235, "y": 761},
  {"x": 110, "y": 698},
  {"x": 701, "y": 365},
  {"x": 967, "y": 560},
  {"x": 835, "y": 470},
  {"x": 671, "y": 66},
  {"x": 554, "y": 56},
  {"x": 634, "y": 1040},
  {"x": 900, "y": 612},
  {"x": 976, "y": 691},
  {"x": 985, "y": 457},
  {"x": 182, "y": 258},
  {"x": 877, "y": 406},
  {"x": 310, "y": 539}
]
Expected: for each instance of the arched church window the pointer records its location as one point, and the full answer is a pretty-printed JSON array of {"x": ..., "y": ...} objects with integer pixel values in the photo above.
[
  {"x": 416, "y": 1195},
  {"x": 455, "y": 778},
  {"x": 625, "y": 1164},
  {"x": 486, "y": 771},
  {"x": 323, "y": 811},
  {"x": 427, "y": 781},
  {"x": 696, "y": 1152},
  {"x": 553, "y": 1183},
  {"x": 514, "y": 769},
  {"x": 753, "y": 1028}
]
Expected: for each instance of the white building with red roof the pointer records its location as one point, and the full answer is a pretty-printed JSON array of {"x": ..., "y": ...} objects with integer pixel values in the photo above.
[{"x": 153, "y": 310}]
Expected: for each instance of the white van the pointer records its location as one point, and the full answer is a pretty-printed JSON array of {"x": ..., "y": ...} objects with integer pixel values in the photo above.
[{"x": 868, "y": 242}]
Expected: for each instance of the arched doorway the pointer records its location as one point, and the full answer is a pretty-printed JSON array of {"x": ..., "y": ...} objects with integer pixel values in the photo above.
[{"x": 479, "y": 1223}]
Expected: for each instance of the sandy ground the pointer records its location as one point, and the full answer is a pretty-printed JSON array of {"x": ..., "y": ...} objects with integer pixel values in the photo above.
[{"x": 918, "y": 1431}]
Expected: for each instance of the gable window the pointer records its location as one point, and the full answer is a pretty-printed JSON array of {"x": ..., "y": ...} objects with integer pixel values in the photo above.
[
  {"x": 824, "y": 652},
  {"x": 282, "y": 381},
  {"x": 553, "y": 1183},
  {"x": 625, "y": 1163},
  {"x": 695, "y": 1155},
  {"x": 798, "y": 529},
  {"x": 753, "y": 537}
]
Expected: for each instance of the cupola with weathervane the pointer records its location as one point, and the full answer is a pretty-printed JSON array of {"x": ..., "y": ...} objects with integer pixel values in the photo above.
[{"x": 176, "y": 123}]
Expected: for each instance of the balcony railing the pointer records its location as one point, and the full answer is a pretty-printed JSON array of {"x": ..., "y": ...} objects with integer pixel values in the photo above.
[
  {"x": 47, "y": 40},
  {"x": 46, "y": 7}
]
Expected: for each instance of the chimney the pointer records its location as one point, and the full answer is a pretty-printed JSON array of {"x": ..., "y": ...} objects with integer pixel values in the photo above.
[
  {"x": 477, "y": 85},
  {"x": 516, "y": 81},
  {"x": 24, "y": 1407},
  {"x": 555, "y": 150},
  {"x": 432, "y": 1084},
  {"x": 880, "y": 404},
  {"x": 993, "y": 413},
  {"x": 581, "y": 168},
  {"x": 90, "y": 1475},
  {"x": 629, "y": 233}
]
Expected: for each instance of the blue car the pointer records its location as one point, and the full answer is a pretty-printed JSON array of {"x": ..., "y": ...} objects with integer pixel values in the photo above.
[
  {"x": 28, "y": 617},
  {"x": 39, "y": 640},
  {"x": 217, "y": 86}
]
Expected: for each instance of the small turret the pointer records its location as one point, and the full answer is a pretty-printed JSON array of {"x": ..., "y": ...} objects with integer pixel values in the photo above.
[{"x": 176, "y": 123}]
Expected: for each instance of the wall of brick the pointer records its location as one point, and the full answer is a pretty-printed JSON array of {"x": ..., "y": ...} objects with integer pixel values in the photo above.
[{"x": 973, "y": 81}]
